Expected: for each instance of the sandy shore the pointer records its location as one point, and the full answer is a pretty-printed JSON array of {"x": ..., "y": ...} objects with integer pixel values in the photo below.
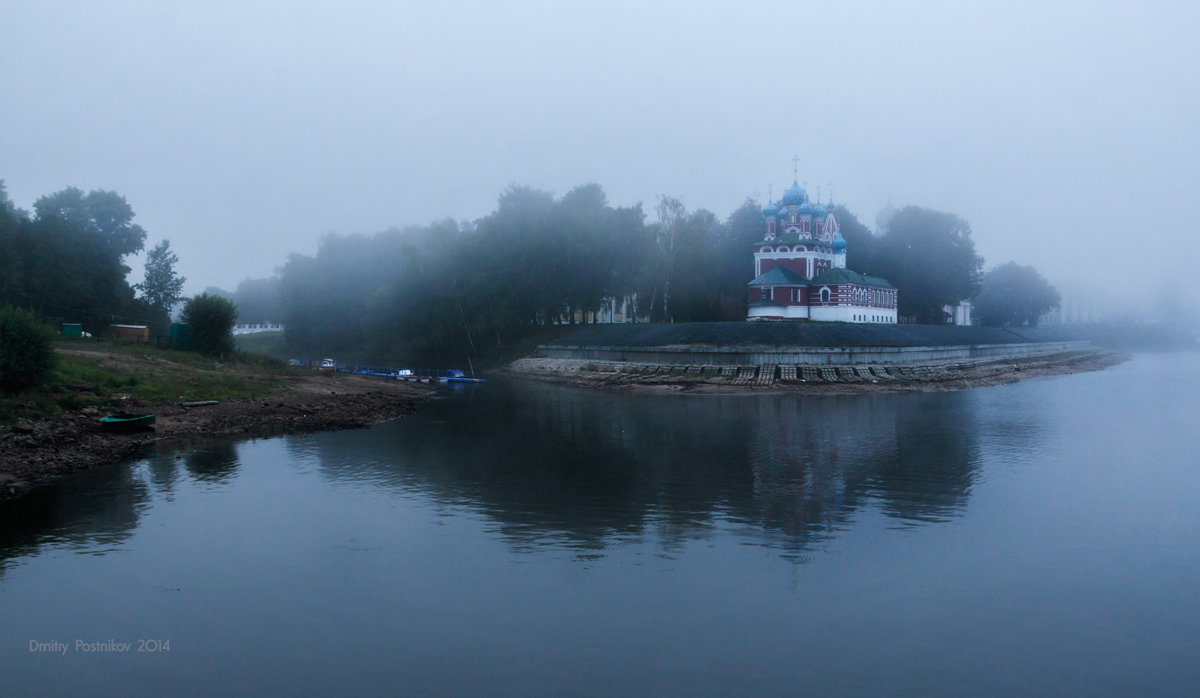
[
  {"x": 34, "y": 452},
  {"x": 715, "y": 379}
]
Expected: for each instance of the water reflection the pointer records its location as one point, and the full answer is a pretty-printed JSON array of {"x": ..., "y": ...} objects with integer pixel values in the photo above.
[
  {"x": 94, "y": 511},
  {"x": 214, "y": 464},
  {"x": 567, "y": 467},
  {"x": 562, "y": 467}
]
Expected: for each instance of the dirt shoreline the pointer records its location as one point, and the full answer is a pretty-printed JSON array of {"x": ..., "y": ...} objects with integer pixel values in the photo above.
[
  {"x": 612, "y": 375},
  {"x": 37, "y": 452}
]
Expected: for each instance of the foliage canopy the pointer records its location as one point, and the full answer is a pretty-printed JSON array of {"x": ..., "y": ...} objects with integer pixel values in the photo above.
[
  {"x": 26, "y": 354},
  {"x": 1012, "y": 294},
  {"x": 210, "y": 321}
]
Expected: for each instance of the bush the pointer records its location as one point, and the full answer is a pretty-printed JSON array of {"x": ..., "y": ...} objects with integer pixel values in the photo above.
[
  {"x": 26, "y": 355},
  {"x": 210, "y": 321}
]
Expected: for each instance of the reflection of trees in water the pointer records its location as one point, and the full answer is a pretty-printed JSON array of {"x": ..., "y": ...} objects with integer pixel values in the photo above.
[
  {"x": 214, "y": 463},
  {"x": 929, "y": 476},
  {"x": 92, "y": 509},
  {"x": 163, "y": 466},
  {"x": 100, "y": 508},
  {"x": 553, "y": 465},
  {"x": 817, "y": 459}
]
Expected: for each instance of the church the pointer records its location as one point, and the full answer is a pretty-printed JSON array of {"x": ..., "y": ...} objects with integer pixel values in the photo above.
[{"x": 800, "y": 269}]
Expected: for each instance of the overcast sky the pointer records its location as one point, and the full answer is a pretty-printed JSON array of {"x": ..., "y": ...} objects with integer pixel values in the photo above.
[{"x": 1066, "y": 133}]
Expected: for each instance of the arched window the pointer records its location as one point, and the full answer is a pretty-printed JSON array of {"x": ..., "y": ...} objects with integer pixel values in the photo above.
[
  {"x": 768, "y": 249},
  {"x": 825, "y": 295}
]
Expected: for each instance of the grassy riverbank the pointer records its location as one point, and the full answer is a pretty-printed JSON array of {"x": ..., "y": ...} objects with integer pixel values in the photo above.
[
  {"x": 94, "y": 372},
  {"x": 56, "y": 430}
]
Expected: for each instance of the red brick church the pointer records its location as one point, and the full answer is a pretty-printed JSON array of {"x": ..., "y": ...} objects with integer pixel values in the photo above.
[{"x": 800, "y": 269}]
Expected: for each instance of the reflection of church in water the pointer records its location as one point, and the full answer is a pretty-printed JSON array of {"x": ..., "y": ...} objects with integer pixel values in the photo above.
[{"x": 800, "y": 269}]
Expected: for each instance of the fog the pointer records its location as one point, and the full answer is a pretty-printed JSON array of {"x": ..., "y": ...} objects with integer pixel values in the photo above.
[{"x": 244, "y": 131}]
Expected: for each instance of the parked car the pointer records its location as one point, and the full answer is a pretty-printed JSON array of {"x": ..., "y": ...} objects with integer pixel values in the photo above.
[
  {"x": 295, "y": 362},
  {"x": 327, "y": 365}
]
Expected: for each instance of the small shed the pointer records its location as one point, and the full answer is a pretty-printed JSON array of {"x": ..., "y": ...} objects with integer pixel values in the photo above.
[
  {"x": 128, "y": 333},
  {"x": 180, "y": 339},
  {"x": 71, "y": 329}
]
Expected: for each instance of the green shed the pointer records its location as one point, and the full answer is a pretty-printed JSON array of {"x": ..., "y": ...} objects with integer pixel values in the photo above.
[
  {"x": 72, "y": 329},
  {"x": 180, "y": 339}
]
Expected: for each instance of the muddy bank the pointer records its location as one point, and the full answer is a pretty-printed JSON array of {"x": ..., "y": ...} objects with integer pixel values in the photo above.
[
  {"x": 810, "y": 379},
  {"x": 34, "y": 452}
]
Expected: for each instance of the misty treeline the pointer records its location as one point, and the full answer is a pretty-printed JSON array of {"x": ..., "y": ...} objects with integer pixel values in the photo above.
[
  {"x": 66, "y": 261},
  {"x": 535, "y": 260}
]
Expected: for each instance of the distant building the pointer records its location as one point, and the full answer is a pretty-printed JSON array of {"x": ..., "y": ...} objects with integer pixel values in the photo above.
[
  {"x": 139, "y": 334},
  {"x": 256, "y": 327},
  {"x": 800, "y": 269},
  {"x": 959, "y": 314}
]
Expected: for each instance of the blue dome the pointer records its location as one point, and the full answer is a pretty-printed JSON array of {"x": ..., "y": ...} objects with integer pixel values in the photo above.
[
  {"x": 839, "y": 243},
  {"x": 819, "y": 211},
  {"x": 806, "y": 208},
  {"x": 794, "y": 196},
  {"x": 770, "y": 209}
]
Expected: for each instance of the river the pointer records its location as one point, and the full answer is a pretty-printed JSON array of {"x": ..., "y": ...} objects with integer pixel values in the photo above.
[{"x": 514, "y": 539}]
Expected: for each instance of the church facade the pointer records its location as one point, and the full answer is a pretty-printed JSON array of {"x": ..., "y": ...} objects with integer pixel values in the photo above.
[{"x": 800, "y": 269}]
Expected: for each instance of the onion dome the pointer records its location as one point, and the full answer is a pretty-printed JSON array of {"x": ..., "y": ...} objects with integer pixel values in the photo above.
[
  {"x": 806, "y": 209},
  {"x": 819, "y": 211},
  {"x": 770, "y": 209},
  {"x": 794, "y": 196},
  {"x": 839, "y": 243}
]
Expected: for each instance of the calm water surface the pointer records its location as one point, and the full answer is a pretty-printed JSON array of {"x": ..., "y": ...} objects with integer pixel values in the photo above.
[{"x": 1041, "y": 538}]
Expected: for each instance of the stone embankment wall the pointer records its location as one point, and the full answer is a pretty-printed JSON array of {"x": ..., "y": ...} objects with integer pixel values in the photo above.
[
  {"x": 939, "y": 375},
  {"x": 807, "y": 356}
]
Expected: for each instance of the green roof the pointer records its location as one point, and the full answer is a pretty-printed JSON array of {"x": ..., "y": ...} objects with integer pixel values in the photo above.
[
  {"x": 779, "y": 276},
  {"x": 845, "y": 276}
]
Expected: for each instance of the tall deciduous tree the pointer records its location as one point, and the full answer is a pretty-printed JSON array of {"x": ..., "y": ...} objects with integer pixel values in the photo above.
[
  {"x": 162, "y": 287},
  {"x": 929, "y": 256},
  {"x": 102, "y": 214},
  {"x": 1012, "y": 294}
]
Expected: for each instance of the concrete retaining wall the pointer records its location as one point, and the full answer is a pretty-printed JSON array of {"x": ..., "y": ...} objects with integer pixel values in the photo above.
[{"x": 806, "y": 356}]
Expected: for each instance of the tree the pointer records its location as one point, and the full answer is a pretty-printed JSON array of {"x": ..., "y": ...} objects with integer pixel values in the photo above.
[
  {"x": 162, "y": 288},
  {"x": 103, "y": 214},
  {"x": 26, "y": 355},
  {"x": 210, "y": 321},
  {"x": 929, "y": 256},
  {"x": 257, "y": 300},
  {"x": 861, "y": 244},
  {"x": 1014, "y": 295}
]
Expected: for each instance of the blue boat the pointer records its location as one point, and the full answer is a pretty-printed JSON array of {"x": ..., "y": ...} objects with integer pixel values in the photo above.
[{"x": 456, "y": 376}]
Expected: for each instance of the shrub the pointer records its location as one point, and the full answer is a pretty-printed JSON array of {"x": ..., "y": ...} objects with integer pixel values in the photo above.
[
  {"x": 26, "y": 355},
  {"x": 210, "y": 321}
]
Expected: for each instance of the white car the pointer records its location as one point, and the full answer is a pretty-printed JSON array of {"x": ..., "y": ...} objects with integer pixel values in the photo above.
[{"x": 327, "y": 365}]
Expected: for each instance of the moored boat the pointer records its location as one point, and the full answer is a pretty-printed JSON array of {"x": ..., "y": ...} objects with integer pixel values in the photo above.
[
  {"x": 454, "y": 375},
  {"x": 126, "y": 421}
]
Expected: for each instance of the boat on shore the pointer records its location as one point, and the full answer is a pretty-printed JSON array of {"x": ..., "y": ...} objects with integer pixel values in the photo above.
[
  {"x": 126, "y": 421},
  {"x": 453, "y": 375}
]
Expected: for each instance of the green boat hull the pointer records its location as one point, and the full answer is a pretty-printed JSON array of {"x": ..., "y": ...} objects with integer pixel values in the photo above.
[{"x": 127, "y": 422}]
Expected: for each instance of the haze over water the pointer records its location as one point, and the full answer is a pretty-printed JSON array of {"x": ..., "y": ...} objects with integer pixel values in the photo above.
[{"x": 1040, "y": 538}]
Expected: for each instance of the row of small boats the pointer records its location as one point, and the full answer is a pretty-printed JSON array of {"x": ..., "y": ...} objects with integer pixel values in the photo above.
[{"x": 453, "y": 375}]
